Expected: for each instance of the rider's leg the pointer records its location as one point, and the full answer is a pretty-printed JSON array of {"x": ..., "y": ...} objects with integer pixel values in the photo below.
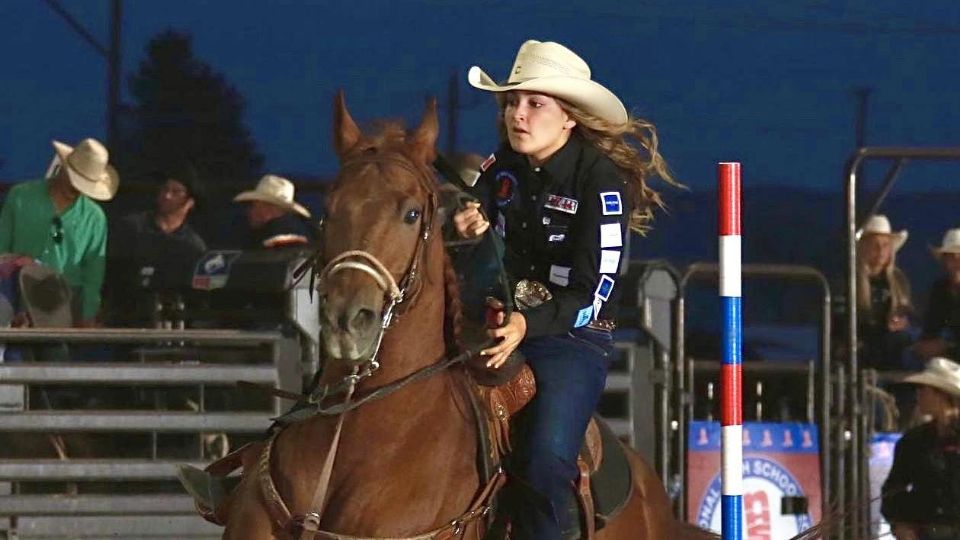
[{"x": 570, "y": 373}]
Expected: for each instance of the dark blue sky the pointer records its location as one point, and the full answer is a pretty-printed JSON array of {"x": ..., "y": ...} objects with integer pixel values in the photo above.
[{"x": 767, "y": 83}]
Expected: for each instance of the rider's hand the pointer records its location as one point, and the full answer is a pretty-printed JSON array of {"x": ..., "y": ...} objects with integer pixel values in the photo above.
[
  {"x": 512, "y": 334},
  {"x": 469, "y": 222}
]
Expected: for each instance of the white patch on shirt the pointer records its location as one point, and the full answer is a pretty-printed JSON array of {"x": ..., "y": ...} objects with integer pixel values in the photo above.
[
  {"x": 560, "y": 275},
  {"x": 609, "y": 261},
  {"x": 610, "y": 203},
  {"x": 583, "y": 317},
  {"x": 546, "y": 220},
  {"x": 610, "y": 235},
  {"x": 563, "y": 204},
  {"x": 556, "y": 238},
  {"x": 604, "y": 288},
  {"x": 501, "y": 227}
]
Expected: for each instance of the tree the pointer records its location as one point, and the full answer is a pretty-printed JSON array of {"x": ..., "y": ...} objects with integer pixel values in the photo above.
[{"x": 184, "y": 110}]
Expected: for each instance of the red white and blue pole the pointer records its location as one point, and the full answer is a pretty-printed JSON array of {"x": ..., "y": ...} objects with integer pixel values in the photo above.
[{"x": 731, "y": 370}]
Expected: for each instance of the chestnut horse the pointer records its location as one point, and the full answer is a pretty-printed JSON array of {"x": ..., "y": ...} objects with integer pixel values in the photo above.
[{"x": 403, "y": 465}]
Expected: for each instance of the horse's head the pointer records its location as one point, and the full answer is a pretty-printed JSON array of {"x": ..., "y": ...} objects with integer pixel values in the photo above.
[{"x": 380, "y": 212}]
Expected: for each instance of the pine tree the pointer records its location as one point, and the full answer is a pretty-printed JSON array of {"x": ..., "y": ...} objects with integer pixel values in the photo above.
[{"x": 184, "y": 110}]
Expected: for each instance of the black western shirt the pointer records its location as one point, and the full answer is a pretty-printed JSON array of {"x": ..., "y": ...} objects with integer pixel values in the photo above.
[{"x": 564, "y": 225}]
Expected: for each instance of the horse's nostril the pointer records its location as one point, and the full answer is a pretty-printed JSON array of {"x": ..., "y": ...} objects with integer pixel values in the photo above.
[{"x": 363, "y": 319}]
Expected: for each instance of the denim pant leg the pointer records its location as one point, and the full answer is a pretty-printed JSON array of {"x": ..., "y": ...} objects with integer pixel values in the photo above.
[{"x": 571, "y": 371}]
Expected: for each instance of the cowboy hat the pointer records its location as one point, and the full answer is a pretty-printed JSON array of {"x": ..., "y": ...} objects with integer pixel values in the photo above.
[
  {"x": 941, "y": 374},
  {"x": 46, "y": 296},
  {"x": 557, "y": 71},
  {"x": 88, "y": 168},
  {"x": 274, "y": 190},
  {"x": 950, "y": 244},
  {"x": 879, "y": 224}
]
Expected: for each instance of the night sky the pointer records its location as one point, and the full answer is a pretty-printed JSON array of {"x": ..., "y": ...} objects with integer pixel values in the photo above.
[{"x": 768, "y": 83}]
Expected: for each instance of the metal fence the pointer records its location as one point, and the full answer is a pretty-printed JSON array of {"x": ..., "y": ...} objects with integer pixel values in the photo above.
[{"x": 100, "y": 495}]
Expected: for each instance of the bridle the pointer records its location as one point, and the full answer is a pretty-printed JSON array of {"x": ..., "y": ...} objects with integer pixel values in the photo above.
[{"x": 398, "y": 295}]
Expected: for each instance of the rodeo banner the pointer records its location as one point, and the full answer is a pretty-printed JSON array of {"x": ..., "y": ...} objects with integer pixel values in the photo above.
[{"x": 781, "y": 478}]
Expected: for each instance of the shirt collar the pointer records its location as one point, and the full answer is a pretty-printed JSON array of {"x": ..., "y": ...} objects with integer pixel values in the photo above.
[{"x": 562, "y": 164}]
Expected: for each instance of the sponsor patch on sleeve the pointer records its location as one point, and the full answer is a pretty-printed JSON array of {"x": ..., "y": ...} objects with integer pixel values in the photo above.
[
  {"x": 560, "y": 275},
  {"x": 583, "y": 317},
  {"x": 604, "y": 288},
  {"x": 488, "y": 162},
  {"x": 563, "y": 204},
  {"x": 610, "y": 203},
  {"x": 610, "y": 235},
  {"x": 609, "y": 261}
]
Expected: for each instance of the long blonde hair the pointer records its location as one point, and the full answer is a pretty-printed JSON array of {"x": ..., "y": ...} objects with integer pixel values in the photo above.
[
  {"x": 899, "y": 285},
  {"x": 639, "y": 159}
]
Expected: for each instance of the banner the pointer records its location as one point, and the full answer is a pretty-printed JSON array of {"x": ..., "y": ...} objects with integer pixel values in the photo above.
[
  {"x": 881, "y": 459},
  {"x": 781, "y": 467}
]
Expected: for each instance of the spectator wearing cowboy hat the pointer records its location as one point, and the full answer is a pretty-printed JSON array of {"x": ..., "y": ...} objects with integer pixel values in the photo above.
[
  {"x": 883, "y": 295},
  {"x": 569, "y": 180},
  {"x": 155, "y": 249},
  {"x": 941, "y": 322},
  {"x": 275, "y": 218},
  {"x": 921, "y": 496},
  {"x": 56, "y": 221}
]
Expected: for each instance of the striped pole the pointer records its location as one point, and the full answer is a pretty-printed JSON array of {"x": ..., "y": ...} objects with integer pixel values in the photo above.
[{"x": 731, "y": 372}]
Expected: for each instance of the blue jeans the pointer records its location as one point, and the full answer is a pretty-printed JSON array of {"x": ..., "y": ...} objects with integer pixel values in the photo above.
[{"x": 571, "y": 371}]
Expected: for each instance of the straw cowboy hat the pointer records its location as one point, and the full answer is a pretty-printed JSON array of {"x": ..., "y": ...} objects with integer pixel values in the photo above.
[
  {"x": 46, "y": 297},
  {"x": 879, "y": 224},
  {"x": 941, "y": 374},
  {"x": 557, "y": 71},
  {"x": 950, "y": 244},
  {"x": 274, "y": 190},
  {"x": 88, "y": 168}
]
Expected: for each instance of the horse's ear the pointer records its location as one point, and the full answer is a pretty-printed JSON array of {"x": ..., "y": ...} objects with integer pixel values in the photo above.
[
  {"x": 346, "y": 134},
  {"x": 423, "y": 141}
]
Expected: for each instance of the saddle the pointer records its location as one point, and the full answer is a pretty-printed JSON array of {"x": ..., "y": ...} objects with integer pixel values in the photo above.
[{"x": 604, "y": 485}]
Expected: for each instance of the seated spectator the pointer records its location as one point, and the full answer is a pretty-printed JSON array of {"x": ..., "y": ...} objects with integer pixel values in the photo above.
[
  {"x": 56, "y": 221},
  {"x": 276, "y": 220},
  {"x": 941, "y": 322},
  {"x": 155, "y": 250},
  {"x": 883, "y": 295},
  {"x": 921, "y": 496}
]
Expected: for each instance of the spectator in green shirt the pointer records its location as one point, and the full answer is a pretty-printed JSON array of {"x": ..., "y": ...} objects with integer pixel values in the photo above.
[{"x": 56, "y": 221}]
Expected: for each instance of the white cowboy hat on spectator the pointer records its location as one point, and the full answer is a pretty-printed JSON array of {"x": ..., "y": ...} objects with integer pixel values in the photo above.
[
  {"x": 879, "y": 224},
  {"x": 46, "y": 297},
  {"x": 557, "y": 71},
  {"x": 950, "y": 244},
  {"x": 941, "y": 374},
  {"x": 274, "y": 190},
  {"x": 88, "y": 167}
]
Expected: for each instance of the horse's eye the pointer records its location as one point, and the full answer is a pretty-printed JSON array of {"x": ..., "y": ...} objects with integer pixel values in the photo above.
[{"x": 411, "y": 217}]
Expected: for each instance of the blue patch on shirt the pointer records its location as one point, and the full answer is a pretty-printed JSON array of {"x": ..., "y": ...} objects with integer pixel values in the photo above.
[
  {"x": 612, "y": 205},
  {"x": 604, "y": 288},
  {"x": 583, "y": 317}
]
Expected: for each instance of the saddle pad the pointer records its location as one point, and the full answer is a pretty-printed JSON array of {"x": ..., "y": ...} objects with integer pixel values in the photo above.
[{"x": 612, "y": 484}]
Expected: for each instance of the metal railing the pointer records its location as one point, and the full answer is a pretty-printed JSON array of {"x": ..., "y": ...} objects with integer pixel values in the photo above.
[
  {"x": 684, "y": 371},
  {"x": 899, "y": 156},
  {"x": 207, "y": 361}
]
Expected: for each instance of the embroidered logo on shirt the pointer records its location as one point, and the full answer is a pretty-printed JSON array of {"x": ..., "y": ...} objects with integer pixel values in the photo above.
[
  {"x": 556, "y": 237},
  {"x": 560, "y": 275},
  {"x": 583, "y": 317},
  {"x": 604, "y": 288},
  {"x": 610, "y": 203},
  {"x": 563, "y": 204},
  {"x": 609, "y": 261},
  {"x": 610, "y": 235},
  {"x": 488, "y": 162},
  {"x": 506, "y": 184},
  {"x": 501, "y": 227}
]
